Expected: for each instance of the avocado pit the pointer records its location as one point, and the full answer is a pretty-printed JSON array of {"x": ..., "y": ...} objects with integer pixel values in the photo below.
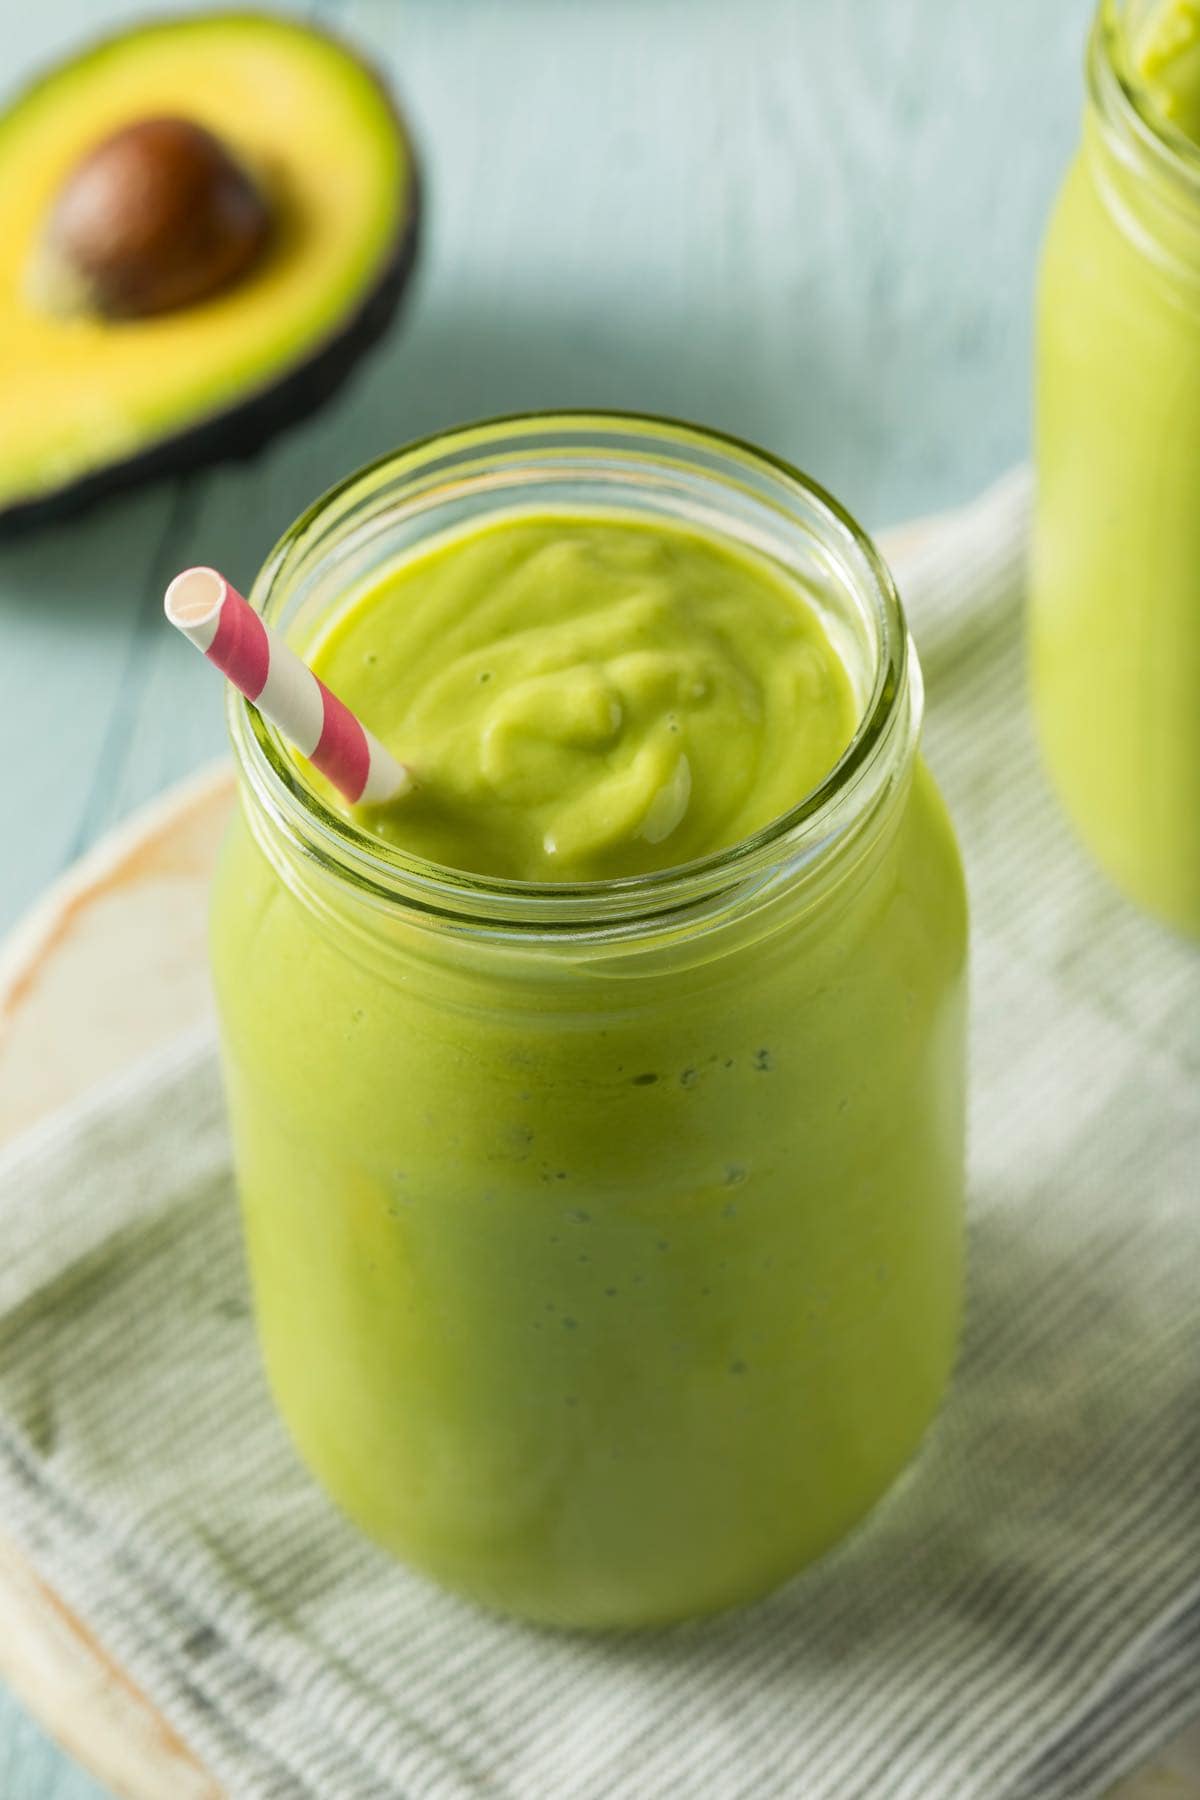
[
  {"x": 157, "y": 216},
  {"x": 99, "y": 392}
]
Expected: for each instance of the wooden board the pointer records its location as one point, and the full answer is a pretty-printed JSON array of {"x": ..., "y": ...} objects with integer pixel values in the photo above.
[{"x": 111, "y": 963}]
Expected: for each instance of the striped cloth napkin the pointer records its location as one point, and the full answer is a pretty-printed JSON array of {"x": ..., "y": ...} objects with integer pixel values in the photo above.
[{"x": 1020, "y": 1620}]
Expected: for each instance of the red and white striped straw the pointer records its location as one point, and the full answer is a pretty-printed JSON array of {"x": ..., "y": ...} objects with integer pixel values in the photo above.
[{"x": 216, "y": 618}]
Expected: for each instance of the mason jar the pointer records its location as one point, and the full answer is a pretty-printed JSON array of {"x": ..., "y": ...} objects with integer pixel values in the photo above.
[
  {"x": 605, "y": 1240},
  {"x": 1115, "y": 599}
]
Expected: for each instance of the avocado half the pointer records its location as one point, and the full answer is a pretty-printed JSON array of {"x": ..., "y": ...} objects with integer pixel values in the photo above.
[{"x": 90, "y": 402}]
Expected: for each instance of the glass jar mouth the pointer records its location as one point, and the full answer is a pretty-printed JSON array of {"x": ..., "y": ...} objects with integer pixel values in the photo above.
[
  {"x": 448, "y": 463},
  {"x": 1121, "y": 103}
]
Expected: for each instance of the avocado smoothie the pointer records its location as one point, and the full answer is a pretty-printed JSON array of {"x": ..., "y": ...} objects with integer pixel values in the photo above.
[
  {"x": 598, "y": 1105},
  {"x": 587, "y": 698},
  {"x": 1115, "y": 597}
]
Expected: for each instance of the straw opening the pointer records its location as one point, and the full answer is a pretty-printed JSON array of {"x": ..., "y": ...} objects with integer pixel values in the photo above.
[{"x": 194, "y": 598}]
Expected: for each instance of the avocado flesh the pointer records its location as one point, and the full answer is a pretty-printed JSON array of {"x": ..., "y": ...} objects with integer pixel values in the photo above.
[{"x": 89, "y": 405}]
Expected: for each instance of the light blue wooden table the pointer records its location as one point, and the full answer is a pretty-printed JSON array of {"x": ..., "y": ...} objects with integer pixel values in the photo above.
[{"x": 812, "y": 222}]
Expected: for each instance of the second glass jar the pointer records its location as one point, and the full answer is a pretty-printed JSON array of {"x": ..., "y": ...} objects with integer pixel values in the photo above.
[{"x": 1115, "y": 598}]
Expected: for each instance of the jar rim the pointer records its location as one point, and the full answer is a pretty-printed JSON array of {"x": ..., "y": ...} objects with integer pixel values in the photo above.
[
  {"x": 1122, "y": 105},
  {"x": 397, "y": 876}
]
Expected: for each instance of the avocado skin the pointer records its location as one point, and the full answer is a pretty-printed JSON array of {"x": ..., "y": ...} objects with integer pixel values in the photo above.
[{"x": 238, "y": 432}]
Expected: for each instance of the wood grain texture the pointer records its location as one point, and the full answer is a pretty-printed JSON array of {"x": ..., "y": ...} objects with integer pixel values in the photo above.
[
  {"x": 813, "y": 222},
  {"x": 125, "y": 928},
  {"x": 60, "y": 1670},
  {"x": 125, "y": 931}
]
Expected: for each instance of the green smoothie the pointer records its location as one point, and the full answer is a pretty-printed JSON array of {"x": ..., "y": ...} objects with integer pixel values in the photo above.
[
  {"x": 1164, "y": 63},
  {"x": 606, "y": 1273},
  {"x": 1115, "y": 602},
  {"x": 582, "y": 699}
]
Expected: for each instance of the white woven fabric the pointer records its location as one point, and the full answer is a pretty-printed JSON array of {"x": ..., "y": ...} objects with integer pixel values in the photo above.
[{"x": 1020, "y": 1620}]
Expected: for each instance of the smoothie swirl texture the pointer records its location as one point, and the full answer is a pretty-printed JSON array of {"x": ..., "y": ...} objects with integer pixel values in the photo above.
[
  {"x": 588, "y": 697},
  {"x": 1164, "y": 59}
]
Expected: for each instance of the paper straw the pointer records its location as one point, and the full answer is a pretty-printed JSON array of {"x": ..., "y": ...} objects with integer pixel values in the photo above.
[{"x": 216, "y": 618}]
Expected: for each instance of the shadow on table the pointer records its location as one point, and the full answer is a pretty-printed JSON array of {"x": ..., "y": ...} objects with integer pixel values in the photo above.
[
  {"x": 446, "y": 365},
  {"x": 1043, "y": 1508},
  {"x": 460, "y": 363}
]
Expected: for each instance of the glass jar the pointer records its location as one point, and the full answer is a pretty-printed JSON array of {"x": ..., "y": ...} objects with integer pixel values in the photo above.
[
  {"x": 605, "y": 1240},
  {"x": 1115, "y": 597}
]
